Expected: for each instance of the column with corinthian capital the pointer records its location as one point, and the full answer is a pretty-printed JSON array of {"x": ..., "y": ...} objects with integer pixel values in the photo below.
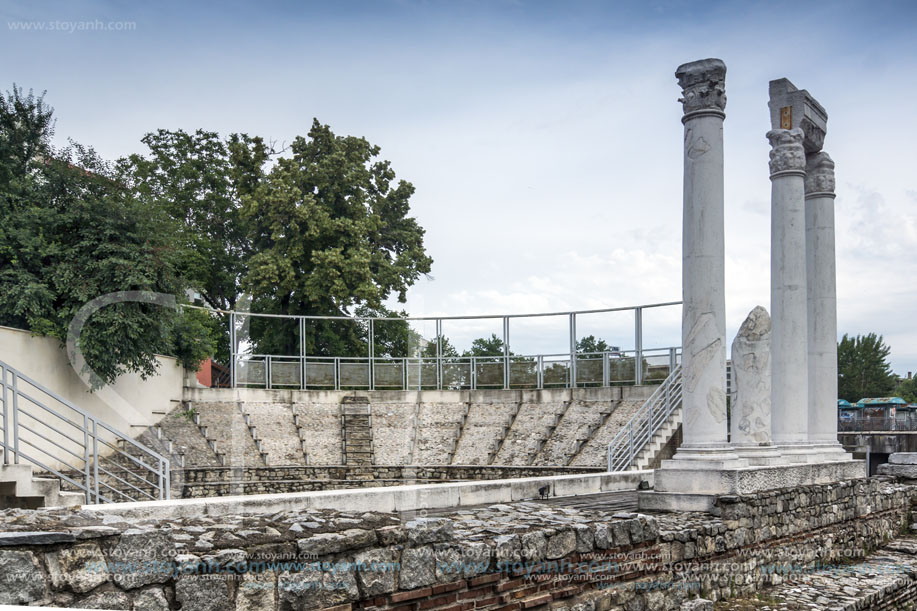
[{"x": 821, "y": 288}]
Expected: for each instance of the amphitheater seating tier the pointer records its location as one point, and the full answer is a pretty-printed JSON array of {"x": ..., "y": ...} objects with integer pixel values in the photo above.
[
  {"x": 438, "y": 429},
  {"x": 321, "y": 431},
  {"x": 226, "y": 424},
  {"x": 595, "y": 450},
  {"x": 530, "y": 429},
  {"x": 393, "y": 432},
  {"x": 578, "y": 422},
  {"x": 275, "y": 428},
  {"x": 482, "y": 432},
  {"x": 187, "y": 440}
]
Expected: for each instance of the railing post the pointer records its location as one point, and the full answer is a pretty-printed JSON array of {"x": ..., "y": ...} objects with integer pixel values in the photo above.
[
  {"x": 232, "y": 349},
  {"x": 540, "y": 372},
  {"x": 336, "y": 365},
  {"x": 267, "y": 371},
  {"x": 506, "y": 352},
  {"x": 15, "y": 392},
  {"x": 6, "y": 416},
  {"x": 606, "y": 370},
  {"x": 673, "y": 359},
  {"x": 439, "y": 354},
  {"x": 630, "y": 446},
  {"x": 474, "y": 373},
  {"x": 302, "y": 353},
  {"x": 95, "y": 457},
  {"x": 572, "y": 383},
  {"x": 372, "y": 353},
  {"x": 87, "y": 478},
  {"x": 638, "y": 346}
]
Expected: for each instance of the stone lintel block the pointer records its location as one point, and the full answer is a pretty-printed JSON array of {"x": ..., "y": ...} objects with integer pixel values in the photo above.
[
  {"x": 796, "y": 108},
  {"x": 903, "y": 458}
]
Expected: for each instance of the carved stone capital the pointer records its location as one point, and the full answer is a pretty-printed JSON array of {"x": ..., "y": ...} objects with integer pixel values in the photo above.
[
  {"x": 787, "y": 152},
  {"x": 791, "y": 108},
  {"x": 819, "y": 173},
  {"x": 703, "y": 85}
]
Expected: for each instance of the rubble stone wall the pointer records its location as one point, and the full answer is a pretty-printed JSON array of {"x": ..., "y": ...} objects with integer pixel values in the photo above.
[{"x": 512, "y": 557}]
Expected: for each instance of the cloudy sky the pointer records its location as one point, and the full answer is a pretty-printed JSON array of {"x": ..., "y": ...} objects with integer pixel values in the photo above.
[{"x": 544, "y": 138}]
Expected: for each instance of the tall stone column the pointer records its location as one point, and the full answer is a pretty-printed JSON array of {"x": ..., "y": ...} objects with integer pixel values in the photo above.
[
  {"x": 789, "y": 328},
  {"x": 703, "y": 261},
  {"x": 821, "y": 287}
]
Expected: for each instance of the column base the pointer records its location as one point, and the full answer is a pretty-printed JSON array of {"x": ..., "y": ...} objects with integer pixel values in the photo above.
[
  {"x": 683, "y": 485},
  {"x": 759, "y": 455}
]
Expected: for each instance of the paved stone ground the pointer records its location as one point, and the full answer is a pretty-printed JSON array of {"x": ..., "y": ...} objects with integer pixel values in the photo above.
[
  {"x": 612, "y": 502},
  {"x": 885, "y": 580}
]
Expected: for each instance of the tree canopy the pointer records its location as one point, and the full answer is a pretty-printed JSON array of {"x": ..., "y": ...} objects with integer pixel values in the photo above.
[
  {"x": 863, "y": 368},
  {"x": 73, "y": 231},
  {"x": 322, "y": 229}
]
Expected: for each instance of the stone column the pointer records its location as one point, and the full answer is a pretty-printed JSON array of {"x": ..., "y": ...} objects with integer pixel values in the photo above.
[
  {"x": 821, "y": 287},
  {"x": 703, "y": 262},
  {"x": 789, "y": 346}
]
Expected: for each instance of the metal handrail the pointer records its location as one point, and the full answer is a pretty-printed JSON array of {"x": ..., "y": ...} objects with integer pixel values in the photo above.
[
  {"x": 68, "y": 445},
  {"x": 535, "y": 371},
  {"x": 238, "y": 355},
  {"x": 639, "y": 430}
]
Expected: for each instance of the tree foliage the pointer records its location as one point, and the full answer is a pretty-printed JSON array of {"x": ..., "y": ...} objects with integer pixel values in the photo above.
[
  {"x": 863, "y": 368},
  {"x": 72, "y": 231},
  {"x": 907, "y": 390}
]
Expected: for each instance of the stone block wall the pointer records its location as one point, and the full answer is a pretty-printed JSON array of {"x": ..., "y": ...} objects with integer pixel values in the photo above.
[
  {"x": 512, "y": 557},
  {"x": 501, "y": 427}
]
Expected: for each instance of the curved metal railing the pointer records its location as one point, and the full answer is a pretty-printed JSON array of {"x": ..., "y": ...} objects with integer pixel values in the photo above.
[
  {"x": 640, "y": 429},
  {"x": 430, "y": 368}
]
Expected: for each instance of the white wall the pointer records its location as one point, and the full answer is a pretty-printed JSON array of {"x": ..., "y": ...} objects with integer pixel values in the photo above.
[{"x": 129, "y": 405}]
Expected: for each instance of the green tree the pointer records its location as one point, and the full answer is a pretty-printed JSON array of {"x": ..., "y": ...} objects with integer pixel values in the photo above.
[
  {"x": 199, "y": 180},
  {"x": 486, "y": 346},
  {"x": 329, "y": 231},
  {"x": 863, "y": 369},
  {"x": 72, "y": 231},
  {"x": 907, "y": 390},
  {"x": 591, "y": 345}
]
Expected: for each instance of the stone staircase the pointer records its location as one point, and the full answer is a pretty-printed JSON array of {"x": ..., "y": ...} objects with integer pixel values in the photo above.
[
  {"x": 356, "y": 431},
  {"x": 647, "y": 456},
  {"x": 19, "y": 488}
]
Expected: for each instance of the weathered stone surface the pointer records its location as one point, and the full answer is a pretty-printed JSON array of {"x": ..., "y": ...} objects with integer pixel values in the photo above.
[
  {"x": 21, "y": 579},
  {"x": 105, "y": 600},
  {"x": 34, "y": 538},
  {"x": 257, "y": 590},
  {"x": 507, "y": 549},
  {"x": 202, "y": 593},
  {"x": 144, "y": 558},
  {"x": 751, "y": 374},
  {"x": 534, "y": 546},
  {"x": 903, "y": 458},
  {"x": 475, "y": 559},
  {"x": 697, "y": 604},
  {"x": 154, "y": 599},
  {"x": 376, "y": 571},
  {"x": 81, "y": 567},
  {"x": 448, "y": 562},
  {"x": 417, "y": 568},
  {"x": 428, "y": 530},
  {"x": 585, "y": 537},
  {"x": 333, "y": 543},
  {"x": 560, "y": 545}
]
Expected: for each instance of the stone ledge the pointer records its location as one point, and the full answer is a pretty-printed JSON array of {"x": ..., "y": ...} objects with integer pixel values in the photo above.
[{"x": 386, "y": 499}]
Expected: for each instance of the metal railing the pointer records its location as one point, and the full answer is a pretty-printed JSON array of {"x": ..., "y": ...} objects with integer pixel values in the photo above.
[
  {"x": 639, "y": 430},
  {"x": 570, "y": 368},
  {"x": 49, "y": 432},
  {"x": 454, "y": 373},
  {"x": 875, "y": 424}
]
